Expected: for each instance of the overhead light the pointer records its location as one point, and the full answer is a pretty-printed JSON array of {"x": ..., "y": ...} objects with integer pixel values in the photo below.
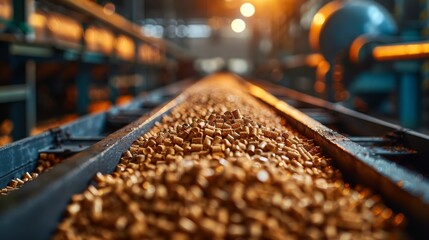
[
  {"x": 247, "y": 9},
  {"x": 238, "y": 25}
]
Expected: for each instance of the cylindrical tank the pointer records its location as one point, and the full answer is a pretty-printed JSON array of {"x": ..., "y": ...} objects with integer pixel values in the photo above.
[{"x": 337, "y": 24}]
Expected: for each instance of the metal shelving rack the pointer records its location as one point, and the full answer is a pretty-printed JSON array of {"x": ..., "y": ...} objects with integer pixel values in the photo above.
[{"x": 28, "y": 37}]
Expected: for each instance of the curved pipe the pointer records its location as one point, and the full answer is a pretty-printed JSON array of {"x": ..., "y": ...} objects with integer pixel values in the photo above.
[
  {"x": 319, "y": 20},
  {"x": 355, "y": 51},
  {"x": 401, "y": 51}
]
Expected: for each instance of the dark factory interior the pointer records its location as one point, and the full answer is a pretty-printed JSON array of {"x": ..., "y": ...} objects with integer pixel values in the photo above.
[{"x": 221, "y": 119}]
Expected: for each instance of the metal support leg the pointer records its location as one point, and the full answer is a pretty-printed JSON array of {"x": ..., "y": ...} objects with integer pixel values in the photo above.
[
  {"x": 30, "y": 75},
  {"x": 329, "y": 85},
  {"x": 17, "y": 115},
  {"x": 83, "y": 79},
  {"x": 21, "y": 11},
  {"x": 112, "y": 84},
  {"x": 409, "y": 91},
  {"x": 17, "y": 108},
  {"x": 149, "y": 79},
  {"x": 410, "y": 101}
]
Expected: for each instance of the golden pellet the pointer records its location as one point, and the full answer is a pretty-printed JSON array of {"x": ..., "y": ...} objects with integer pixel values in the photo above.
[
  {"x": 227, "y": 143},
  {"x": 28, "y": 175},
  {"x": 293, "y": 154},
  {"x": 178, "y": 148},
  {"x": 207, "y": 143},
  {"x": 170, "y": 158},
  {"x": 187, "y": 225},
  {"x": 160, "y": 148},
  {"x": 304, "y": 153},
  {"x": 236, "y": 113},
  {"x": 14, "y": 183},
  {"x": 209, "y": 132},
  {"x": 197, "y": 140},
  {"x": 216, "y": 148},
  {"x": 178, "y": 140},
  {"x": 262, "y": 145},
  {"x": 196, "y": 147},
  {"x": 20, "y": 182},
  {"x": 73, "y": 209},
  {"x": 230, "y": 138},
  {"x": 308, "y": 164},
  {"x": 271, "y": 147},
  {"x": 128, "y": 154},
  {"x": 97, "y": 208},
  {"x": 251, "y": 149}
]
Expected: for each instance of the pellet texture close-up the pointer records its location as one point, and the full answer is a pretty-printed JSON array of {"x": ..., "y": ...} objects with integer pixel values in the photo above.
[
  {"x": 224, "y": 166},
  {"x": 44, "y": 163}
]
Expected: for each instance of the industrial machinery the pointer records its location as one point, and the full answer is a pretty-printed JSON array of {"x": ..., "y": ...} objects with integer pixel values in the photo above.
[{"x": 354, "y": 36}]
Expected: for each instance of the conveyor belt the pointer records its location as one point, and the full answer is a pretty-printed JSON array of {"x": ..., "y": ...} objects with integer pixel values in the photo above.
[
  {"x": 38, "y": 206},
  {"x": 77, "y": 136},
  {"x": 404, "y": 146}
]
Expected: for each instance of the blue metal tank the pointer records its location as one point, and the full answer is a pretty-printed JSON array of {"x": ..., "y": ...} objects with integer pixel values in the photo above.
[{"x": 337, "y": 24}]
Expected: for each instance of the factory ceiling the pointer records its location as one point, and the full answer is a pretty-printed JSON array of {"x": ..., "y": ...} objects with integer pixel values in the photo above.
[{"x": 203, "y": 9}]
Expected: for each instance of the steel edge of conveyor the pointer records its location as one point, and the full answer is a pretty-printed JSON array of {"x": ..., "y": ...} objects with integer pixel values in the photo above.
[
  {"x": 47, "y": 196},
  {"x": 367, "y": 125},
  {"x": 34, "y": 211},
  {"x": 88, "y": 125},
  {"x": 381, "y": 175}
]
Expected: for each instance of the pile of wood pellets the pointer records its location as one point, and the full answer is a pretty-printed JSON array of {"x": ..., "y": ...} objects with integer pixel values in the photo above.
[
  {"x": 44, "y": 163},
  {"x": 224, "y": 166}
]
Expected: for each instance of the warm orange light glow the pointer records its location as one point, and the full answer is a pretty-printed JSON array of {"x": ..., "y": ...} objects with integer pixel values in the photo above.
[
  {"x": 64, "y": 28},
  {"x": 37, "y": 20},
  {"x": 125, "y": 47},
  {"x": 262, "y": 94},
  {"x": 321, "y": 71},
  {"x": 150, "y": 54},
  {"x": 99, "y": 40},
  {"x": 109, "y": 9},
  {"x": 247, "y": 9},
  {"x": 319, "y": 87},
  {"x": 314, "y": 59},
  {"x": 238, "y": 25},
  {"x": 6, "y": 10},
  {"x": 122, "y": 100},
  {"x": 99, "y": 106},
  {"x": 401, "y": 51},
  {"x": 323, "y": 68},
  {"x": 356, "y": 47},
  {"x": 270, "y": 99},
  {"x": 319, "y": 21}
]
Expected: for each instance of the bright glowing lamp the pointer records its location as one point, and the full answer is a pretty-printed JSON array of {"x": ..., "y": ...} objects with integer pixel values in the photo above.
[
  {"x": 238, "y": 25},
  {"x": 247, "y": 9}
]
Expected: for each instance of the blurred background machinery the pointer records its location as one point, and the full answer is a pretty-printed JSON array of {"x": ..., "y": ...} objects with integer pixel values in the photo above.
[{"x": 63, "y": 59}]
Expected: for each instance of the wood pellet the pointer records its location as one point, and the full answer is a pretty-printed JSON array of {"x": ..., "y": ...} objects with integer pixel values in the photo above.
[{"x": 224, "y": 166}]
